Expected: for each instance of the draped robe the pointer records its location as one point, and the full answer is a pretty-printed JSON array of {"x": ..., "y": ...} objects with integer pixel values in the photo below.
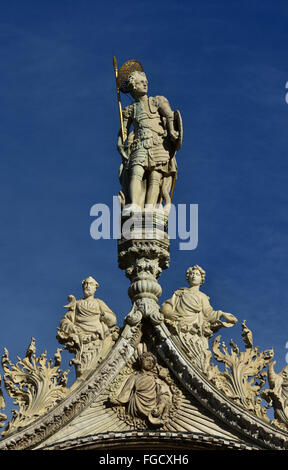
[
  {"x": 86, "y": 318},
  {"x": 193, "y": 310},
  {"x": 143, "y": 392}
]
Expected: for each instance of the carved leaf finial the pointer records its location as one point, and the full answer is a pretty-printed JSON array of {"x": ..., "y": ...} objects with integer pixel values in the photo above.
[
  {"x": 243, "y": 376},
  {"x": 36, "y": 384}
]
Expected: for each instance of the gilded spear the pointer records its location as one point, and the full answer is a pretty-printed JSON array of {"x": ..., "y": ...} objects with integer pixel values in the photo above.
[{"x": 118, "y": 98}]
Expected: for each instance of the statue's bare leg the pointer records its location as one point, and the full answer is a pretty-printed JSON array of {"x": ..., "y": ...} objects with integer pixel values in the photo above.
[
  {"x": 153, "y": 187},
  {"x": 137, "y": 173}
]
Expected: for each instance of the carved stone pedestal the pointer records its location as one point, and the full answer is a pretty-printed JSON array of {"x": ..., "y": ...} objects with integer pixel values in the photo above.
[{"x": 143, "y": 252}]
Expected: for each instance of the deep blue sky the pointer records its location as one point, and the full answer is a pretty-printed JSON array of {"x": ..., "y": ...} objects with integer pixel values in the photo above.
[{"x": 223, "y": 64}]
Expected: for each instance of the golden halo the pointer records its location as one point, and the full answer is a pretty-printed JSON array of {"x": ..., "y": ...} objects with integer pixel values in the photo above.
[{"x": 124, "y": 72}]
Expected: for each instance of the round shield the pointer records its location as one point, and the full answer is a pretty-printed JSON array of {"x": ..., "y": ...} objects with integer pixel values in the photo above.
[
  {"x": 178, "y": 126},
  {"x": 124, "y": 72}
]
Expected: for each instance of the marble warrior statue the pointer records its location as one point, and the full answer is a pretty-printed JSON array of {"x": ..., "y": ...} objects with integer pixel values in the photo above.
[{"x": 148, "y": 171}]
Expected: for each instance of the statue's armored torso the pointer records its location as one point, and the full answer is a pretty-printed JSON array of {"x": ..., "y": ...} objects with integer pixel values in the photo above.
[{"x": 151, "y": 146}]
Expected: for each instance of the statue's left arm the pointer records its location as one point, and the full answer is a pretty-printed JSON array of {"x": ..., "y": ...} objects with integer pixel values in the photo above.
[
  {"x": 166, "y": 111},
  {"x": 106, "y": 314},
  {"x": 67, "y": 323},
  {"x": 215, "y": 316},
  {"x": 169, "y": 307},
  {"x": 127, "y": 121}
]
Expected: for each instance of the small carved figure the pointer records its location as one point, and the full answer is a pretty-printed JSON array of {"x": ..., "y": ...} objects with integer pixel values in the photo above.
[
  {"x": 145, "y": 393},
  {"x": 3, "y": 417},
  {"x": 31, "y": 350},
  {"x": 279, "y": 382},
  {"x": 86, "y": 328},
  {"x": 2, "y": 401},
  {"x": 148, "y": 159},
  {"x": 247, "y": 335},
  {"x": 277, "y": 395}
]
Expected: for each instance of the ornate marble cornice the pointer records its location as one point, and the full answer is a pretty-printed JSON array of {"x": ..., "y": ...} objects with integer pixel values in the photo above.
[{"x": 155, "y": 439}]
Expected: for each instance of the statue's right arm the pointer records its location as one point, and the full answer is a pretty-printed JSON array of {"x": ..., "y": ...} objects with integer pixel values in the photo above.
[
  {"x": 125, "y": 394},
  {"x": 121, "y": 147},
  {"x": 127, "y": 121},
  {"x": 106, "y": 314},
  {"x": 168, "y": 309},
  {"x": 67, "y": 322},
  {"x": 273, "y": 378}
]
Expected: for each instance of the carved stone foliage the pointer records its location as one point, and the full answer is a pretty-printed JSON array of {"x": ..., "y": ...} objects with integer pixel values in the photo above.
[
  {"x": 144, "y": 395},
  {"x": 88, "y": 329},
  {"x": 144, "y": 308},
  {"x": 243, "y": 376},
  {"x": 277, "y": 395},
  {"x": 36, "y": 385}
]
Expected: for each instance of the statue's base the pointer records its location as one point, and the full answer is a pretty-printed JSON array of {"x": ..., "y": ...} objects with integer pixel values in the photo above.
[{"x": 146, "y": 224}]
